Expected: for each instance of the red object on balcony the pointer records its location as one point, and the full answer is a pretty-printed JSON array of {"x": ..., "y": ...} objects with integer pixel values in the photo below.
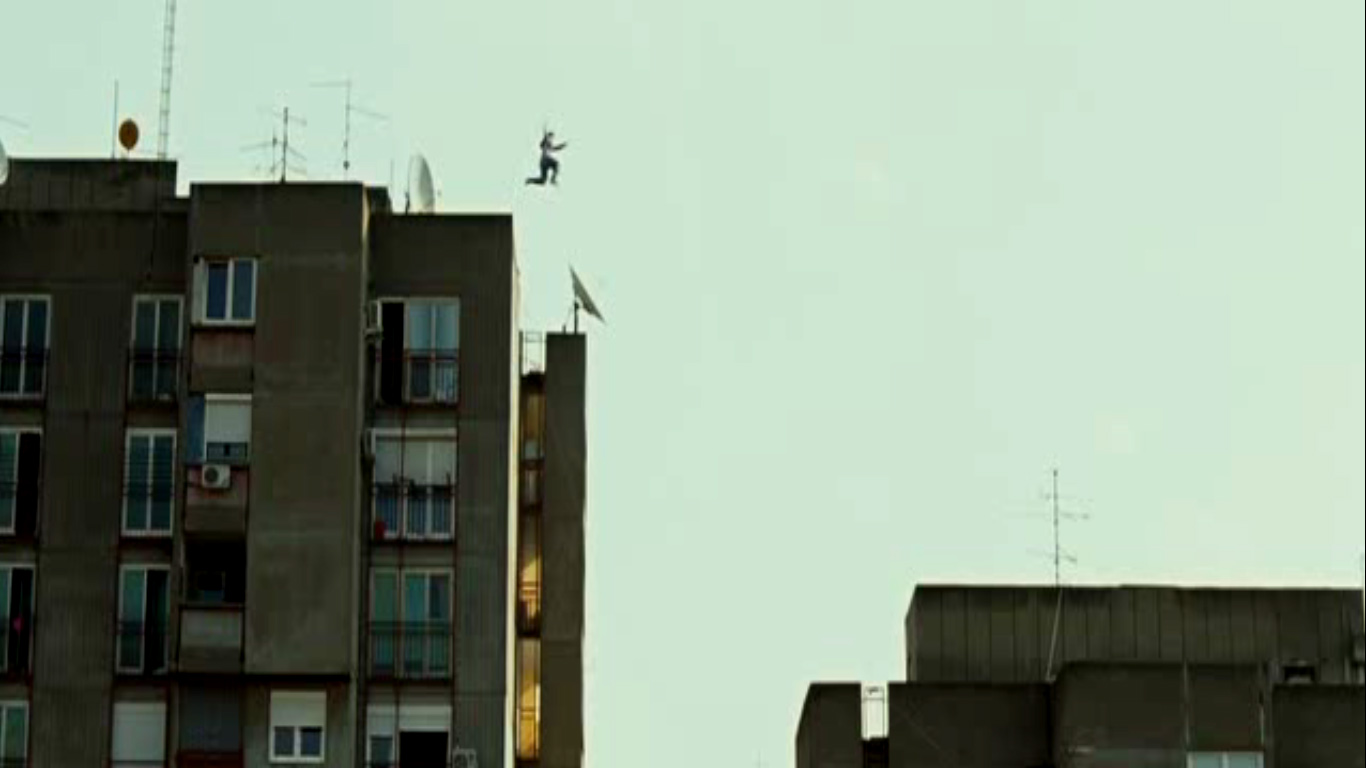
[{"x": 380, "y": 529}]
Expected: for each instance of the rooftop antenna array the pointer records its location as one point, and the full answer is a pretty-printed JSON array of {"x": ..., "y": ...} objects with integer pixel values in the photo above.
[
  {"x": 283, "y": 165},
  {"x": 351, "y": 109},
  {"x": 167, "y": 64}
]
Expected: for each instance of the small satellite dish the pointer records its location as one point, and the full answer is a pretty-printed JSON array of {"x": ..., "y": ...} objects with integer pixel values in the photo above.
[
  {"x": 128, "y": 135},
  {"x": 582, "y": 299},
  {"x": 4, "y": 164},
  {"x": 420, "y": 185}
]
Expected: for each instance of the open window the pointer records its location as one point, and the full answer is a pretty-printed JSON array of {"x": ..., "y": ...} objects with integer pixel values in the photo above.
[
  {"x": 16, "y": 610},
  {"x": 419, "y": 351},
  {"x": 144, "y": 617},
  {"x": 21, "y": 457}
]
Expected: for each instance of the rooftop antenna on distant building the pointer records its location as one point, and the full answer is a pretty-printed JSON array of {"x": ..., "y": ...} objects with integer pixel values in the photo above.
[
  {"x": 421, "y": 191},
  {"x": 583, "y": 301},
  {"x": 351, "y": 109}
]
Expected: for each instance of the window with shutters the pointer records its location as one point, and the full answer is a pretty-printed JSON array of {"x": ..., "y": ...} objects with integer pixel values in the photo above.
[
  {"x": 298, "y": 726},
  {"x": 21, "y": 471},
  {"x": 148, "y": 482},
  {"x": 139, "y": 734},
  {"x": 25, "y": 331},
  {"x": 219, "y": 429}
]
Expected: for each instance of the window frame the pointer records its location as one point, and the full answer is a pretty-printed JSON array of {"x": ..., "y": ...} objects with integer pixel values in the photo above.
[
  {"x": 156, "y": 299},
  {"x": 5, "y": 706},
  {"x": 1224, "y": 756},
  {"x": 401, "y": 619},
  {"x": 425, "y": 437},
  {"x": 18, "y": 431},
  {"x": 202, "y": 291},
  {"x": 144, "y": 568},
  {"x": 297, "y": 697},
  {"x": 431, "y": 355},
  {"x": 27, "y": 298},
  {"x": 152, "y": 433}
]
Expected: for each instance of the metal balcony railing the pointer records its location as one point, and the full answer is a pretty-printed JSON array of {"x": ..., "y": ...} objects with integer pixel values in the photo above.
[
  {"x": 409, "y": 511},
  {"x": 410, "y": 649},
  {"x": 141, "y": 648},
  {"x": 23, "y": 372},
  {"x": 154, "y": 375},
  {"x": 418, "y": 376}
]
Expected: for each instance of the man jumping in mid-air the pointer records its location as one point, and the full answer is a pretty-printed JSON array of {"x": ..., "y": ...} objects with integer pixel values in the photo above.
[{"x": 550, "y": 167}]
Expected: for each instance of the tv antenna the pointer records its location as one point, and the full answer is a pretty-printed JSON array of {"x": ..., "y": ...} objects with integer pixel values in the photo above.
[
  {"x": 421, "y": 191},
  {"x": 583, "y": 301},
  {"x": 1059, "y": 557},
  {"x": 167, "y": 64},
  {"x": 284, "y": 165},
  {"x": 351, "y": 109}
]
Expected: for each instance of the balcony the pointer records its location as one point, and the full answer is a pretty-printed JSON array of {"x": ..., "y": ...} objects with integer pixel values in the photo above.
[
  {"x": 19, "y": 508},
  {"x": 141, "y": 648},
  {"x": 409, "y": 511},
  {"x": 418, "y": 376},
  {"x": 211, "y": 638},
  {"x": 16, "y": 647},
  {"x": 153, "y": 376},
  {"x": 410, "y": 650},
  {"x": 23, "y": 373}
]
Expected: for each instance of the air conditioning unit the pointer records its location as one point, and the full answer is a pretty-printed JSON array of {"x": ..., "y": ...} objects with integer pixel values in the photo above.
[
  {"x": 217, "y": 477},
  {"x": 464, "y": 758}
]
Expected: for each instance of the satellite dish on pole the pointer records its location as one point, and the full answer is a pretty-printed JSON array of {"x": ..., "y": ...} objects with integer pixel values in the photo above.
[
  {"x": 4, "y": 164},
  {"x": 583, "y": 301},
  {"x": 420, "y": 189}
]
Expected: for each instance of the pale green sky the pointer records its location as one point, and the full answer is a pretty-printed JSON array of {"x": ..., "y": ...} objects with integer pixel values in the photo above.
[{"x": 871, "y": 269}]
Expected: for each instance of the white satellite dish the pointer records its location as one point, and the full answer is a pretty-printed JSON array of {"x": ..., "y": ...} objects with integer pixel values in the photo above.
[
  {"x": 583, "y": 300},
  {"x": 4, "y": 164},
  {"x": 420, "y": 185}
]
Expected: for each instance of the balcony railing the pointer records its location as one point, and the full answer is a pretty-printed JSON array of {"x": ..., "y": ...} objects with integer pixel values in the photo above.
[
  {"x": 23, "y": 372},
  {"x": 154, "y": 375},
  {"x": 410, "y": 649},
  {"x": 141, "y": 648},
  {"x": 418, "y": 376},
  {"x": 211, "y": 637},
  {"x": 411, "y": 511}
]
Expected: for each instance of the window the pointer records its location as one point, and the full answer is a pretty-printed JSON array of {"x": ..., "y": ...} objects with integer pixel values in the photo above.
[
  {"x": 21, "y": 452},
  {"x": 24, "y": 334},
  {"x": 528, "y": 698},
  {"x": 156, "y": 349},
  {"x": 16, "y": 610},
  {"x": 297, "y": 725},
  {"x": 139, "y": 734},
  {"x": 419, "y": 351},
  {"x": 220, "y": 429},
  {"x": 414, "y": 484},
  {"x": 144, "y": 614},
  {"x": 410, "y": 614},
  {"x": 226, "y": 291},
  {"x": 1224, "y": 760},
  {"x": 407, "y": 734},
  {"x": 148, "y": 482},
  {"x": 13, "y": 733}
]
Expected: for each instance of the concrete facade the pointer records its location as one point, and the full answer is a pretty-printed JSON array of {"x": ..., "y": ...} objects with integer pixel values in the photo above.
[
  {"x": 1145, "y": 677},
  {"x": 277, "y": 543}
]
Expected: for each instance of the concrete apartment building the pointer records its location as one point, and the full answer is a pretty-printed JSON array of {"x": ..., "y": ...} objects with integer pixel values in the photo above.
[
  {"x": 281, "y": 481},
  {"x": 1133, "y": 677}
]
